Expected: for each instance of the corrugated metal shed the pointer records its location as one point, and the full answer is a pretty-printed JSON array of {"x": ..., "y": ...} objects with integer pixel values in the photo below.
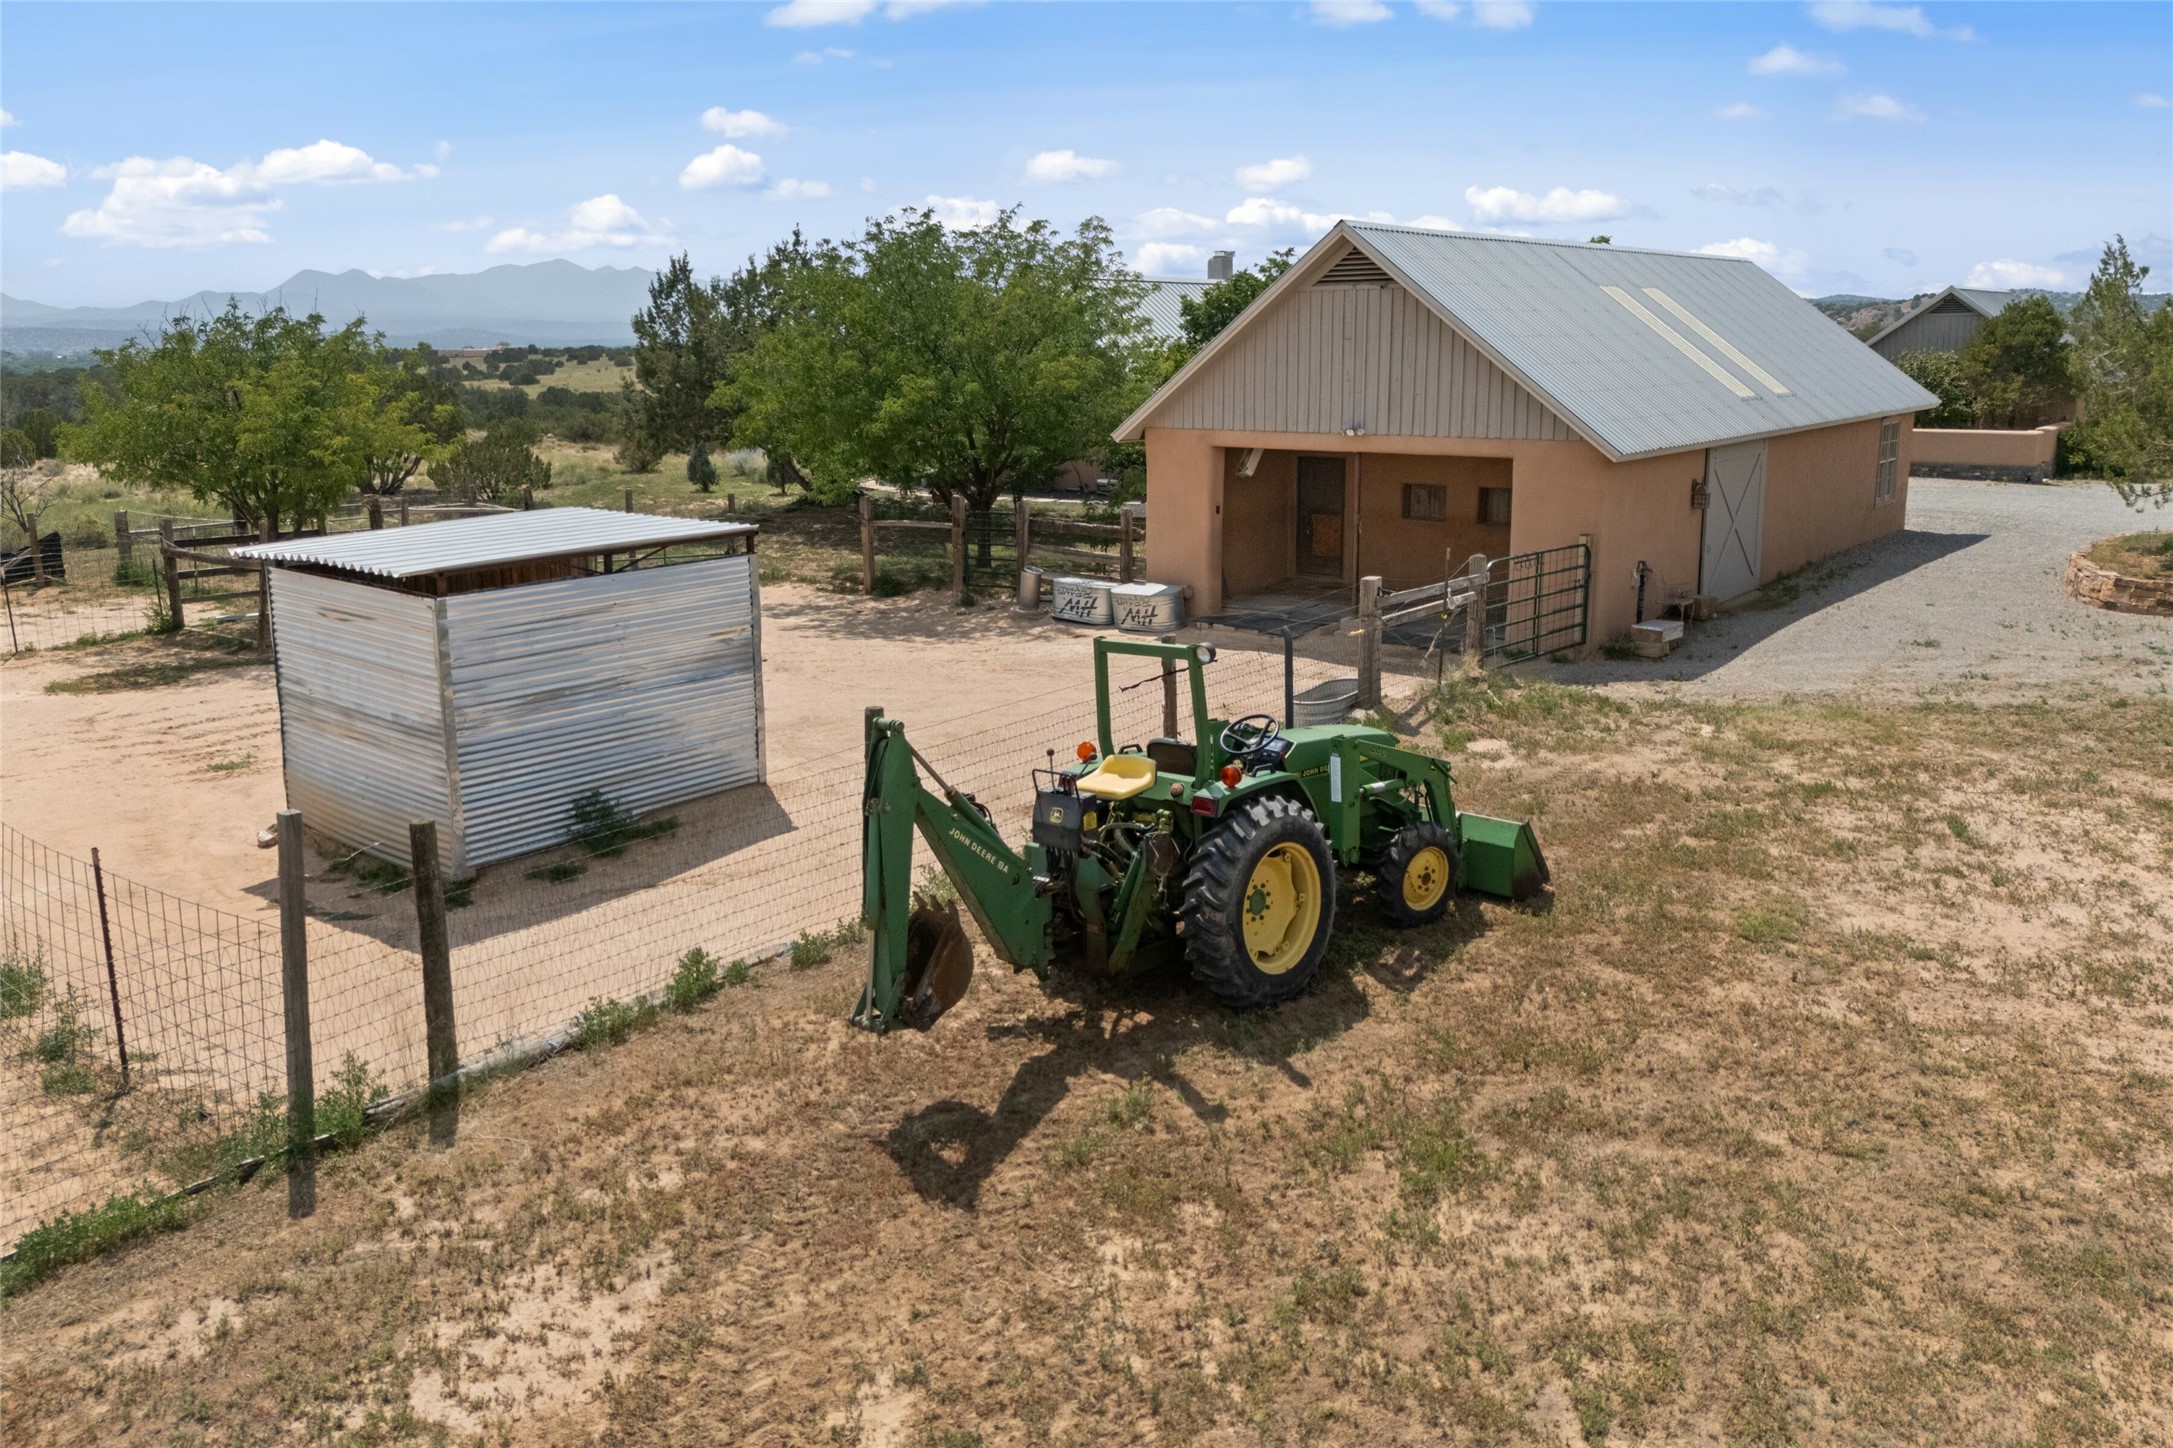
[
  {"x": 1161, "y": 305},
  {"x": 1642, "y": 352},
  {"x": 487, "y": 542},
  {"x": 1986, "y": 305}
]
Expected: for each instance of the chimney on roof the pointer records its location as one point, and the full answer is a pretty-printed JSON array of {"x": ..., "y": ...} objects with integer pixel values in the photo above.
[{"x": 1220, "y": 265}]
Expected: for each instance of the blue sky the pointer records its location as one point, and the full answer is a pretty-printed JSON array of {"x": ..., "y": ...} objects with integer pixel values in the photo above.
[{"x": 1846, "y": 146}]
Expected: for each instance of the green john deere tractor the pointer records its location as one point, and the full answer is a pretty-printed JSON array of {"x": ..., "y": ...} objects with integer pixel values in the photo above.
[{"x": 1220, "y": 849}]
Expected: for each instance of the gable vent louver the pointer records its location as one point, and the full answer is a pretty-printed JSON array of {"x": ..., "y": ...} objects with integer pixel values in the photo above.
[
  {"x": 1950, "y": 306},
  {"x": 1355, "y": 269}
]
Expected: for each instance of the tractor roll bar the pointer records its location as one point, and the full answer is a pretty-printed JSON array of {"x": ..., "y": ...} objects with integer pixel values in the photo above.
[{"x": 1193, "y": 656}]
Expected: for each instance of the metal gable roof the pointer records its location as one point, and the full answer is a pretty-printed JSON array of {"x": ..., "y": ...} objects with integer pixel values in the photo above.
[
  {"x": 489, "y": 541},
  {"x": 1977, "y": 299},
  {"x": 1643, "y": 352},
  {"x": 1160, "y": 305}
]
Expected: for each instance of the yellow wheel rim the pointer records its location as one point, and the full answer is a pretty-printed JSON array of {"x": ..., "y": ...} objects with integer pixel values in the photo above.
[
  {"x": 1282, "y": 908},
  {"x": 1426, "y": 878}
]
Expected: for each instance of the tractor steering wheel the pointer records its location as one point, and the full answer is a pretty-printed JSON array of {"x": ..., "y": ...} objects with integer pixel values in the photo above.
[{"x": 1242, "y": 738}]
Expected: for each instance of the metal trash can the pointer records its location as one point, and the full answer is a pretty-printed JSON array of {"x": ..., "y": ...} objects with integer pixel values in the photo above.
[
  {"x": 1029, "y": 589},
  {"x": 1328, "y": 703}
]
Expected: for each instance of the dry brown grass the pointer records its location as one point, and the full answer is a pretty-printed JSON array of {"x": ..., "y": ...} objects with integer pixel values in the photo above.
[
  {"x": 1830, "y": 1102},
  {"x": 2147, "y": 555}
]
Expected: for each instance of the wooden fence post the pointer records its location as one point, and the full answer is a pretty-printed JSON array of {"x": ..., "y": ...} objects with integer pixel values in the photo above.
[
  {"x": 441, "y": 1044},
  {"x": 1124, "y": 545},
  {"x": 528, "y": 498},
  {"x": 124, "y": 542},
  {"x": 1369, "y": 642},
  {"x": 403, "y": 510},
  {"x": 1169, "y": 692},
  {"x": 867, "y": 545},
  {"x": 958, "y": 547},
  {"x": 264, "y": 606},
  {"x": 629, "y": 500},
  {"x": 294, "y": 990},
  {"x": 173, "y": 571},
  {"x": 1475, "y": 568},
  {"x": 1022, "y": 525}
]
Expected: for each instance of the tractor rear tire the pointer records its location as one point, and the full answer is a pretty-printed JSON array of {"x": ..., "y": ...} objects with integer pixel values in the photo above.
[
  {"x": 1259, "y": 903},
  {"x": 1418, "y": 875}
]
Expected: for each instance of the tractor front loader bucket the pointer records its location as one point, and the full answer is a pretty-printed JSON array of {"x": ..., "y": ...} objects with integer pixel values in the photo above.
[{"x": 1501, "y": 857}]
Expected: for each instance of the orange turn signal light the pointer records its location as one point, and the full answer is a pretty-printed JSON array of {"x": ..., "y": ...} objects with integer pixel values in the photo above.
[
  {"x": 1086, "y": 751},
  {"x": 1231, "y": 774}
]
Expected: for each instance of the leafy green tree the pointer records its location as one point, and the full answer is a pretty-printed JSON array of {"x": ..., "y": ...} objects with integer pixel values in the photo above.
[
  {"x": 1941, "y": 373},
  {"x": 1203, "y": 317},
  {"x": 273, "y": 417},
  {"x": 16, "y": 449},
  {"x": 2016, "y": 369},
  {"x": 425, "y": 410},
  {"x": 700, "y": 470},
  {"x": 967, "y": 362},
  {"x": 495, "y": 467},
  {"x": 43, "y": 429},
  {"x": 2124, "y": 364}
]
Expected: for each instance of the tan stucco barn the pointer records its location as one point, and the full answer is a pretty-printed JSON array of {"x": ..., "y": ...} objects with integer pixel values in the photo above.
[{"x": 1401, "y": 399}]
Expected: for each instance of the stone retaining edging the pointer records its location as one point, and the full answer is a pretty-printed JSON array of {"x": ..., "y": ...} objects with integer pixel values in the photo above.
[{"x": 2103, "y": 588}]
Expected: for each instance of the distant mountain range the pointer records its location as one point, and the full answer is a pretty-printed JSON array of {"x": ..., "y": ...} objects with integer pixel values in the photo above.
[{"x": 546, "y": 303}]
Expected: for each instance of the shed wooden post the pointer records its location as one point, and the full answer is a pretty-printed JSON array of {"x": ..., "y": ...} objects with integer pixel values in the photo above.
[
  {"x": 294, "y": 993},
  {"x": 1124, "y": 545},
  {"x": 958, "y": 547},
  {"x": 124, "y": 542},
  {"x": 867, "y": 546},
  {"x": 172, "y": 569},
  {"x": 441, "y": 1043},
  {"x": 1369, "y": 642}
]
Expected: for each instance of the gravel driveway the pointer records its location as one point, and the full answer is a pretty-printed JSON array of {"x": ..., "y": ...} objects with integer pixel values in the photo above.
[{"x": 1968, "y": 595}]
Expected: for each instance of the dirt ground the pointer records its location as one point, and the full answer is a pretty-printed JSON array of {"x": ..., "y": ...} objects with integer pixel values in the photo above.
[{"x": 1829, "y": 1099}]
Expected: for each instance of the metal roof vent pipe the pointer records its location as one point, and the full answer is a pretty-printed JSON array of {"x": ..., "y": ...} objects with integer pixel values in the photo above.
[{"x": 1220, "y": 265}]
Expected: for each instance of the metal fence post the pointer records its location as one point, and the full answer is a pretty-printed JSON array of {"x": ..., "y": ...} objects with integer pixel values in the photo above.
[
  {"x": 294, "y": 989},
  {"x": 867, "y": 545},
  {"x": 958, "y": 547},
  {"x": 113, "y": 976},
  {"x": 1369, "y": 642},
  {"x": 441, "y": 1044}
]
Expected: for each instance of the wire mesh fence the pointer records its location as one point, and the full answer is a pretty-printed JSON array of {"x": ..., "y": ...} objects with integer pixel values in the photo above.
[{"x": 198, "y": 989}]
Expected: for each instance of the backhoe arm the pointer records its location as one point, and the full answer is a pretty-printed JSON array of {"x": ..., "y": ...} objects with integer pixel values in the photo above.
[{"x": 996, "y": 882}]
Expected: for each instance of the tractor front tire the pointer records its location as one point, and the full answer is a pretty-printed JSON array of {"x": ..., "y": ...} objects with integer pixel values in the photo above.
[
  {"x": 1418, "y": 875},
  {"x": 1259, "y": 903}
]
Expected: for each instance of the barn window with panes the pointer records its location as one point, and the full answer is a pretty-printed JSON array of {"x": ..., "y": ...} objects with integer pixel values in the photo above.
[
  {"x": 1882, "y": 490},
  {"x": 1426, "y": 502},
  {"x": 1494, "y": 506}
]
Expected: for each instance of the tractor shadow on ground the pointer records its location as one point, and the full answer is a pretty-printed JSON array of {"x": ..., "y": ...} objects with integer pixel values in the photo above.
[{"x": 1137, "y": 1029}]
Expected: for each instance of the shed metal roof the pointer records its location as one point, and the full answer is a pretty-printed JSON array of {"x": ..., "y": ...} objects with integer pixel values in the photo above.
[
  {"x": 1642, "y": 352},
  {"x": 489, "y": 541},
  {"x": 1160, "y": 306},
  {"x": 1977, "y": 299}
]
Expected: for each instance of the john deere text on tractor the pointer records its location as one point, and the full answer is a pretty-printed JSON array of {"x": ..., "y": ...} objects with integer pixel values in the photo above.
[{"x": 1221, "y": 849}]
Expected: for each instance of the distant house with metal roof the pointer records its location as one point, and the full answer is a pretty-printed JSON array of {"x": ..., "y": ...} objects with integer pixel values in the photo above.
[
  {"x": 1945, "y": 323},
  {"x": 488, "y": 673},
  {"x": 1163, "y": 305},
  {"x": 1402, "y": 398}
]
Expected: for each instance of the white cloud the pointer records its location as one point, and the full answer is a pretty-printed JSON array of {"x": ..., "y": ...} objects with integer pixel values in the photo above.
[
  {"x": 472, "y": 223},
  {"x": 330, "y": 163},
  {"x": 1737, "y": 195},
  {"x": 1433, "y": 223},
  {"x": 1170, "y": 258},
  {"x": 1280, "y": 215},
  {"x": 599, "y": 221},
  {"x": 1502, "y": 14},
  {"x": 175, "y": 202},
  {"x": 1900, "y": 254},
  {"x": 867, "y": 184},
  {"x": 1845, "y": 15},
  {"x": 1440, "y": 9},
  {"x": 801, "y": 14},
  {"x": 1503, "y": 203},
  {"x": 1340, "y": 13},
  {"x": 2008, "y": 274},
  {"x": 1273, "y": 175},
  {"x": 1785, "y": 264},
  {"x": 828, "y": 52},
  {"x": 1743, "y": 111},
  {"x": 1170, "y": 221},
  {"x": 907, "y": 9},
  {"x": 964, "y": 213},
  {"x": 1068, "y": 165},
  {"x": 1875, "y": 108},
  {"x": 738, "y": 124},
  {"x": 443, "y": 150},
  {"x": 2152, "y": 101},
  {"x": 1787, "y": 60},
  {"x": 21, "y": 171},
  {"x": 725, "y": 166},
  {"x": 7, "y": 118},
  {"x": 790, "y": 189}
]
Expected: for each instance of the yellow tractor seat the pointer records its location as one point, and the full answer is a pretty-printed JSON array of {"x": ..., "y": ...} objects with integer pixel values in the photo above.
[{"x": 1119, "y": 776}]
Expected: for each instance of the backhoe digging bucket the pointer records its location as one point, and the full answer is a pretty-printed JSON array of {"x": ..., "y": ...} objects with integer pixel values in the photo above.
[
  {"x": 1501, "y": 857},
  {"x": 938, "y": 962}
]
